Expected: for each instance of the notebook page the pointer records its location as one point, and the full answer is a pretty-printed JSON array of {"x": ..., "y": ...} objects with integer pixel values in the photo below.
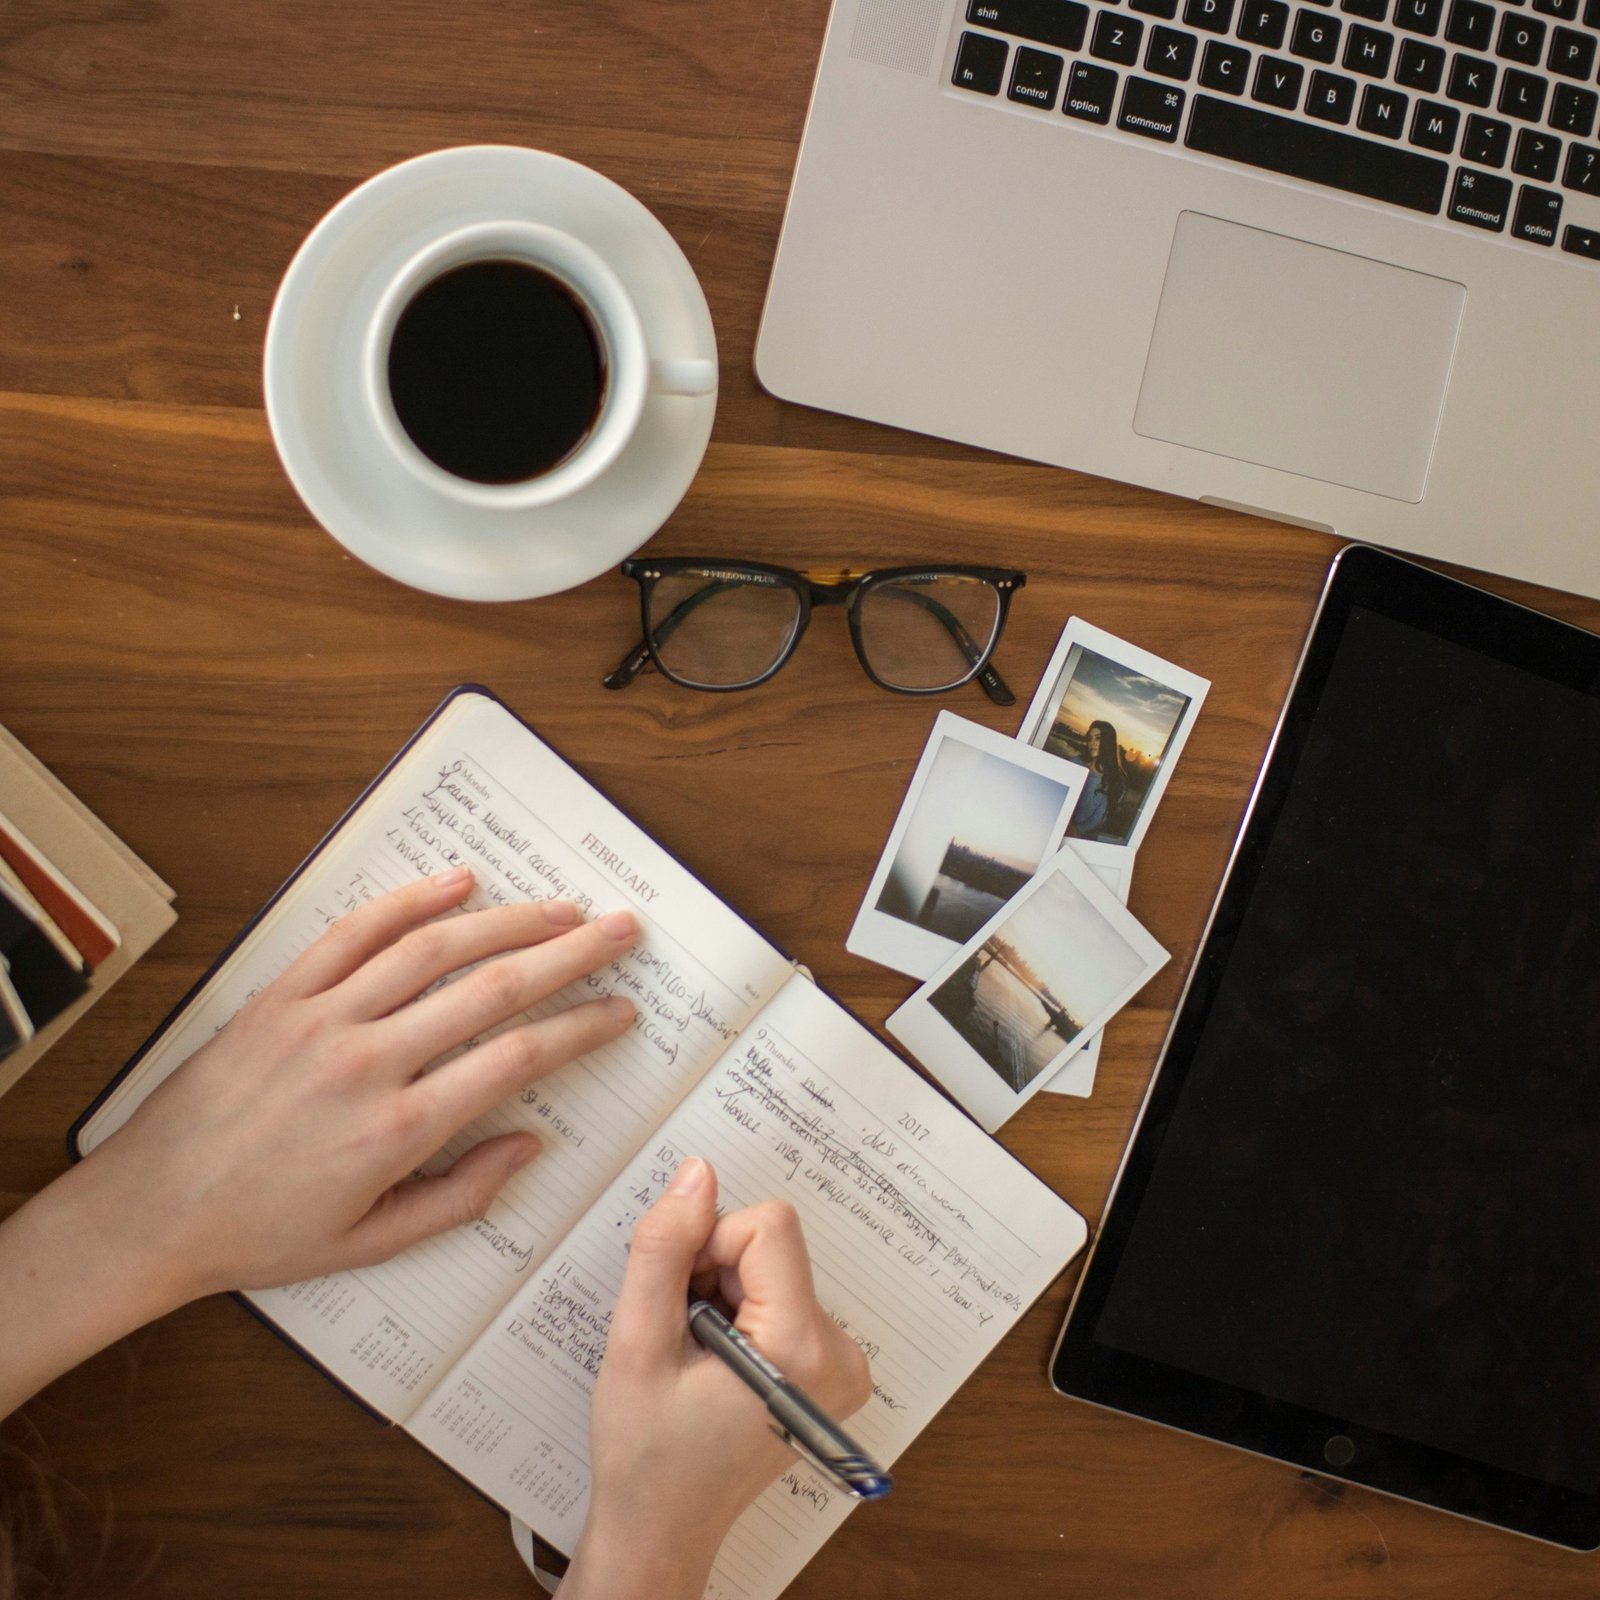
[
  {"x": 479, "y": 788},
  {"x": 927, "y": 1239}
]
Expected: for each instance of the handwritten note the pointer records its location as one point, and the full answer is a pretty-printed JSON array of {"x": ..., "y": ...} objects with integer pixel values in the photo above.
[
  {"x": 926, "y": 1240},
  {"x": 479, "y": 790}
]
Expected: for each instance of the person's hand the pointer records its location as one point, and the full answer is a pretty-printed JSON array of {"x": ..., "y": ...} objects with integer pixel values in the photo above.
[
  {"x": 285, "y": 1147},
  {"x": 679, "y": 1445}
]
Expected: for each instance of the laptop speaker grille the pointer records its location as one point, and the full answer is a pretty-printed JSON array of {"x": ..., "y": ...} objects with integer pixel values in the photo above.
[{"x": 898, "y": 33}]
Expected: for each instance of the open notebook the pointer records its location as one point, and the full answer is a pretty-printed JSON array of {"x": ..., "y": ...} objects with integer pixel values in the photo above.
[{"x": 928, "y": 1240}]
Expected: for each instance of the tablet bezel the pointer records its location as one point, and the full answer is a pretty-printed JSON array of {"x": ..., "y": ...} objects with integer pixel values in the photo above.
[{"x": 1378, "y": 582}]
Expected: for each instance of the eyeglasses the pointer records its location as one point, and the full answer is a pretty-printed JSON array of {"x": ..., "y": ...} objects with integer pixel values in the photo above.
[{"x": 723, "y": 625}]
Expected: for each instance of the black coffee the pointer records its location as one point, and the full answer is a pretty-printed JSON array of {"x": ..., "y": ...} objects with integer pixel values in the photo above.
[{"x": 496, "y": 372}]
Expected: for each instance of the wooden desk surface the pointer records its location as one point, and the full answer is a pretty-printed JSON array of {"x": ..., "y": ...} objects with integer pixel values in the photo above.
[{"x": 216, "y": 678}]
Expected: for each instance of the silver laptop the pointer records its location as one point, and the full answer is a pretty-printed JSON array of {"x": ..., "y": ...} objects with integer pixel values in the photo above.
[{"x": 1334, "y": 263}]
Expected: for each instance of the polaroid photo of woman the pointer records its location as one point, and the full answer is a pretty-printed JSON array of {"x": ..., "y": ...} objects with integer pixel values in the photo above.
[{"x": 1123, "y": 714}]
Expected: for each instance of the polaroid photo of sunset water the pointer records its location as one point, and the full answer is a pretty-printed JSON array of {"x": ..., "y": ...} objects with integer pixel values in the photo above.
[
  {"x": 1033, "y": 986},
  {"x": 981, "y": 813},
  {"x": 1124, "y": 716}
]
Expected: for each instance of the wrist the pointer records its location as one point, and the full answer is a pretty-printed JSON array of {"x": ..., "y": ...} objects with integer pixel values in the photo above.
[{"x": 628, "y": 1557}]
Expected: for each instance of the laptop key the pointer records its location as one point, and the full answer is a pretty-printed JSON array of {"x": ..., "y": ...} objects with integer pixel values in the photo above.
[
  {"x": 1214, "y": 16},
  {"x": 1035, "y": 78},
  {"x": 980, "y": 63},
  {"x": 1521, "y": 39},
  {"x": 1418, "y": 16},
  {"x": 1421, "y": 66},
  {"x": 1171, "y": 53},
  {"x": 1062, "y": 23},
  {"x": 1316, "y": 38},
  {"x": 1152, "y": 110},
  {"x": 1367, "y": 50},
  {"x": 1566, "y": 9},
  {"x": 1278, "y": 82},
  {"x": 1536, "y": 155},
  {"x": 1155, "y": 8},
  {"x": 1537, "y": 216},
  {"x": 1571, "y": 52},
  {"x": 1581, "y": 242},
  {"x": 1345, "y": 161},
  {"x": 1383, "y": 111},
  {"x": 1572, "y": 109},
  {"x": 1091, "y": 92},
  {"x": 1331, "y": 97},
  {"x": 1264, "y": 22},
  {"x": 1372, "y": 10},
  {"x": 1486, "y": 141},
  {"x": 1433, "y": 126},
  {"x": 1522, "y": 95},
  {"x": 1582, "y": 171},
  {"x": 1117, "y": 38},
  {"x": 1471, "y": 80},
  {"x": 1470, "y": 23},
  {"x": 1480, "y": 200},
  {"x": 1224, "y": 67}
]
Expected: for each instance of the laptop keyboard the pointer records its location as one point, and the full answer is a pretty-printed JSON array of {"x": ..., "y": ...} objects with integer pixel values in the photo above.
[{"x": 1482, "y": 113}]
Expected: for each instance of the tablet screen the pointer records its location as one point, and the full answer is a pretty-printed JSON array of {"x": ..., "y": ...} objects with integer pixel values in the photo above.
[{"x": 1370, "y": 1199}]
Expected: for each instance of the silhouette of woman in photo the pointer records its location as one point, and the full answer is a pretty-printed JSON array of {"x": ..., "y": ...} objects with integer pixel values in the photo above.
[{"x": 1098, "y": 808}]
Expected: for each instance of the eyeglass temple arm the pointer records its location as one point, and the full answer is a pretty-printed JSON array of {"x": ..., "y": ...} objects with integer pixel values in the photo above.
[
  {"x": 993, "y": 685},
  {"x": 638, "y": 659}
]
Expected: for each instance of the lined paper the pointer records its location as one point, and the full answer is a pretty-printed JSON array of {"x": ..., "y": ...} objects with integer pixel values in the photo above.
[
  {"x": 927, "y": 1240},
  {"x": 479, "y": 789}
]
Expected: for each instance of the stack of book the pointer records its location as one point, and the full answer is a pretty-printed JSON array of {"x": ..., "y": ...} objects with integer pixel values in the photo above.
[{"x": 77, "y": 909}]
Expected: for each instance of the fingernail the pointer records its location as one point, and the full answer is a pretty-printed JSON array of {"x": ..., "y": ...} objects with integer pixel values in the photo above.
[
  {"x": 523, "y": 1157},
  {"x": 448, "y": 880},
  {"x": 562, "y": 911},
  {"x": 690, "y": 1177},
  {"x": 620, "y": 1010},
  {"x": 619, "y": 924}
]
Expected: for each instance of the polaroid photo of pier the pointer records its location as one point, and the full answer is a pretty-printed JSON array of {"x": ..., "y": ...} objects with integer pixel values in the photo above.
[
  {"x": 1123, "y": 715},
  {"x": 982, "y": 812},
  {"x": 1033, "y": 986},
  {"x": 1076, "y": 1074}
]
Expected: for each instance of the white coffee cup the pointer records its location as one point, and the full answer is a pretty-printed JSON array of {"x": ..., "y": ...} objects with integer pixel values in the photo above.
[{"x": 632, "y": 371}]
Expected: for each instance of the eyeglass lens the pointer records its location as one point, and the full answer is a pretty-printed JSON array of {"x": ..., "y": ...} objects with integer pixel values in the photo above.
[
  {"x": 717, "y": 633},
  {"x": 928, "y": 633}
]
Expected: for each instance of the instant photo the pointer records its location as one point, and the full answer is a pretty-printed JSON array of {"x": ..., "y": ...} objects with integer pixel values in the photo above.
[
  {"x": 1032, "y": 987},
  {"x": 1076, "y": 1074},
  {"x": 980, "y": 815},
  {"x": 1123, "y": 715}
]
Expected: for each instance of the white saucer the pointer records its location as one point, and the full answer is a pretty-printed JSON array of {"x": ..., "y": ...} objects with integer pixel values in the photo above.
[{"x": 331, "y": 449}]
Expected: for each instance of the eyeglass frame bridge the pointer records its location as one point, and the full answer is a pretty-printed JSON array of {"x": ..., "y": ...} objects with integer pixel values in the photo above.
[{"x": 813, "y": 590}]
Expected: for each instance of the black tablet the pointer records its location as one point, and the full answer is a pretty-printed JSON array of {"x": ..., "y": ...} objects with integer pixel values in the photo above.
[{"x": 1358, "y": 1225}]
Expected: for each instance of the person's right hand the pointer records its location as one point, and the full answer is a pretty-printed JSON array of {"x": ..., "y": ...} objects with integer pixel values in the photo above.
[{"x": 679, "y": 1445}]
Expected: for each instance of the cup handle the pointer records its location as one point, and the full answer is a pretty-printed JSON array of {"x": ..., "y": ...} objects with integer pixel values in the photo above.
[{"x": 683, "y": 377}]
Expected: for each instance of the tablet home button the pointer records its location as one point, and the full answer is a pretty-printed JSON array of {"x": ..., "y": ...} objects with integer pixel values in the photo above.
[{"x": 1339, "y": 1451}]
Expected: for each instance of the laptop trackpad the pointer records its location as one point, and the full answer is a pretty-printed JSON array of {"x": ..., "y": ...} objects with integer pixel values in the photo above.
[{"x": 1296, "y": 356}]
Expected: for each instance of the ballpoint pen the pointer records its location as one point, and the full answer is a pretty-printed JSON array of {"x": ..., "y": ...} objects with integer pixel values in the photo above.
[{"x": 796, "y": 1418}]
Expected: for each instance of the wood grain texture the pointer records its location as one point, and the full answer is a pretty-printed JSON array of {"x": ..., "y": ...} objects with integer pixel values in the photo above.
[{"x": 217, "y": 679}]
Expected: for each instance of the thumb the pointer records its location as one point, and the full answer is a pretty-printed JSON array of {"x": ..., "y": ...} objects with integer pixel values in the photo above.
[
  {"x": 650, "y": 1321},
  {"x": 421, "y": 1207}
]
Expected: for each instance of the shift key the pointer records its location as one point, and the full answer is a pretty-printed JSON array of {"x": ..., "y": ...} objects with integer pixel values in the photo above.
[{"x": 1062, "y": 23}]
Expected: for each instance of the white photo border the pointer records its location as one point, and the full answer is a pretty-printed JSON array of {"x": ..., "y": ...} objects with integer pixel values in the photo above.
[
  {"x": 901, "y": 945},
  {"x": 970, "y": 1080},
  {"x": 1047, "y": 697}
]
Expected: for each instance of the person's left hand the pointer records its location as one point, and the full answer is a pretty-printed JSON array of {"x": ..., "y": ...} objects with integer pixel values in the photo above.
[{"x": 284, "y": 1147}]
